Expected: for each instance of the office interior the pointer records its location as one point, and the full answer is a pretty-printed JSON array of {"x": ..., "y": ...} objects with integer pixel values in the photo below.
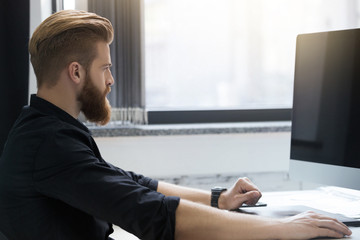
[{"x": 195, "y": 160}]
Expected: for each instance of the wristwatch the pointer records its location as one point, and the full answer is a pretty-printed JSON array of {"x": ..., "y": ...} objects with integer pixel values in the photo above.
[{"x": 215, "y": 194}]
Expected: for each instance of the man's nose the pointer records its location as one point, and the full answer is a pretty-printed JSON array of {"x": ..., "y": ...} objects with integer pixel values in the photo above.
[{"x": 110, "y": 80}]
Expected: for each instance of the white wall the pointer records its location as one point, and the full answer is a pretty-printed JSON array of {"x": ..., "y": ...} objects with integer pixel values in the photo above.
[
  {"x": 39, "y": 11},
  {"x": 162, "y": 156}
]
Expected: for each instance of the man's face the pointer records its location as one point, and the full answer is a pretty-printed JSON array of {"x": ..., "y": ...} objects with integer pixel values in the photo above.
[{"x": 94, "y": 103}]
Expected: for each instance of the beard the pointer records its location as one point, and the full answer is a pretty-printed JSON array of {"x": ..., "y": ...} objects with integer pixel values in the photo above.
[{"x": 94, "y": 104}]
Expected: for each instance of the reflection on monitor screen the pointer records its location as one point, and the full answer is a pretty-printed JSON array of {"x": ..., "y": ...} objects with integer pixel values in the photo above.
[{"x": 325, "y": 137}]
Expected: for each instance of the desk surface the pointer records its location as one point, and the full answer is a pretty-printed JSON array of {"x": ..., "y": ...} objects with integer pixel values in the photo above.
[{"x": 329, "y": 199}]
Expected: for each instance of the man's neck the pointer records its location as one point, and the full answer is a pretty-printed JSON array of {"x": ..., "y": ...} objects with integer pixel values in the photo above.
[{"x": 62, "y": 99}]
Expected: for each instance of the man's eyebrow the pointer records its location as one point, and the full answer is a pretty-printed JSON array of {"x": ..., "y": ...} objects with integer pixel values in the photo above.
[{"x": 107, "y": 65}]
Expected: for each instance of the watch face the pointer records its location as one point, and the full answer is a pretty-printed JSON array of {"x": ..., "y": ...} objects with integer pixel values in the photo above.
[{"x": 218, "y": 189}]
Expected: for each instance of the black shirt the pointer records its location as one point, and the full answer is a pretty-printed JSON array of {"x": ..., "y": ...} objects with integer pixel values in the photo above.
[{"x": 54, "y": 184}]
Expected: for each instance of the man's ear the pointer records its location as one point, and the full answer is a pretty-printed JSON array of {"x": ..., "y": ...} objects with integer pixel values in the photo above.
[{"x": 75, "y": 72}]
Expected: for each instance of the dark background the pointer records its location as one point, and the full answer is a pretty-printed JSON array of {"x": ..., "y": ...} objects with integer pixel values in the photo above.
[{"x": 14, "y": 65}]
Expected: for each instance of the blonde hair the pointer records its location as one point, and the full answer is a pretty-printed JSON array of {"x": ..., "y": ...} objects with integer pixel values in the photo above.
[{"x": 65, "y": 37}]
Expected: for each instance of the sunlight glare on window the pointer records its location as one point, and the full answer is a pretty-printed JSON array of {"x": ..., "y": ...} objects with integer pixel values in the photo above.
[
  {"x": 231, "y": 54},
  {"x": 69, "y": 4}
]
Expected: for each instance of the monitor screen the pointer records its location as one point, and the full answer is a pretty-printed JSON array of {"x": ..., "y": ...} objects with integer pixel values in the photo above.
[{"x": 325, "y": 136}]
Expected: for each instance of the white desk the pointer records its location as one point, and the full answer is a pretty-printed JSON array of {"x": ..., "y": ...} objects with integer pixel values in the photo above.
[{"x": 329, "y": 199}]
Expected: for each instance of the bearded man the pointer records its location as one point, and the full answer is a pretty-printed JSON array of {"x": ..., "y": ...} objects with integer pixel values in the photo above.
[{"x": 54, "y": 184}]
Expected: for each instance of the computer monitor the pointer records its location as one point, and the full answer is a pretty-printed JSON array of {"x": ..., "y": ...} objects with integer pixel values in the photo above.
[{"x": 325, "y": 135}]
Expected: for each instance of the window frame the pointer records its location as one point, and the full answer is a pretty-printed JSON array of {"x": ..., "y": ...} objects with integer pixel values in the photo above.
[{"x": 218, "y": 116}]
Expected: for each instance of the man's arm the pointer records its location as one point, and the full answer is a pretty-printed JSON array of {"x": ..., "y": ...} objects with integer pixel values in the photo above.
[
  {"x": 199, "y": 221},
  {"x": 243, "y": 191},
  {"x": 191, "y": 194},
  {"x": 196, "y": 221}
]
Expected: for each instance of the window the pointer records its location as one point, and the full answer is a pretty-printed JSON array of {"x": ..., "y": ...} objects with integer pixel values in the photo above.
[
  {"x": 74, "y": 4},
  {"x": 230, "y": 54},
  {"x": 228, "y": 60}
]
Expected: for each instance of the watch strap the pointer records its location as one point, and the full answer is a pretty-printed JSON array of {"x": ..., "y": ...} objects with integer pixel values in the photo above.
[{"x": 215, "y": 194}]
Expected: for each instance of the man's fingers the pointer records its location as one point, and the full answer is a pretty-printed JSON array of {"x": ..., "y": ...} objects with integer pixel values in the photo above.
[
  {"x": 325, "y": 232},
  {"x": 246, "y": 185},
  {"x": 334, "y": 225},
  {"x": 326, "y": 226},
  {"x": 250, "y": 198},
  {"x": 243, "y": 191}
]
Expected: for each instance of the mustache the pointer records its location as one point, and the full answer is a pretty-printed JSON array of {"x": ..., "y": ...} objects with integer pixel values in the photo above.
[{"x": 107, "y": 90}]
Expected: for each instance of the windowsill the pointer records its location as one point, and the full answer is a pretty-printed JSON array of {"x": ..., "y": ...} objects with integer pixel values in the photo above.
[{"x": 116, "y": 130}]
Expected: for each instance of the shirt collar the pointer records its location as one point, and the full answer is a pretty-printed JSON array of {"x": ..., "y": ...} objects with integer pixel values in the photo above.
[{"x": 50, "y": 109}]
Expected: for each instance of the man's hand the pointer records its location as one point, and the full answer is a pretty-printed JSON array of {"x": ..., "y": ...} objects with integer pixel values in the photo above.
[
  {"x": 312, "y": 225},
  {"x": 243, "y": 191}
]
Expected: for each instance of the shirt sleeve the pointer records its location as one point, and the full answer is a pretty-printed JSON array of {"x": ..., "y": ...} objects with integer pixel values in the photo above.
[
  {"x": 141, "y": 179},
  {"x": 66, "y": 168}
]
